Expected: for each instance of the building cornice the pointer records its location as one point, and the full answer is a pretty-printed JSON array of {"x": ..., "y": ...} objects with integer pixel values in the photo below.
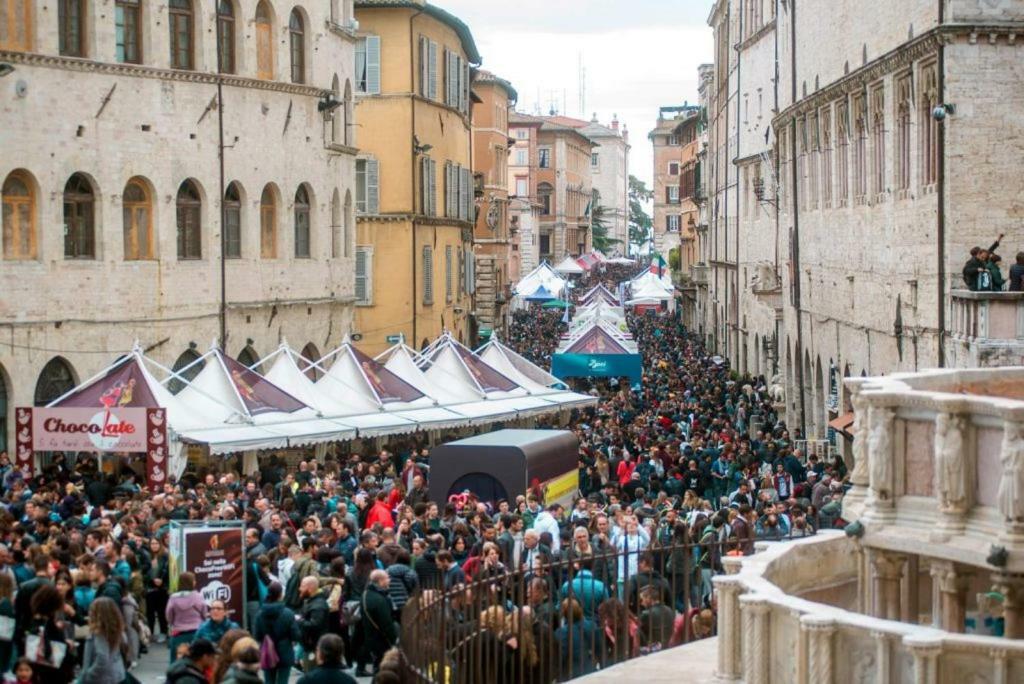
[
  {"x": 143, "y": 71},
  {"x": 899, "y": 58},
  {"x": 419, "y": 219},
  {"x": 758, "y": 35},
  {"x": 338, "y": 148},
  {"x": 341, "y": 31},
  {"x": 416, "y": 97}
]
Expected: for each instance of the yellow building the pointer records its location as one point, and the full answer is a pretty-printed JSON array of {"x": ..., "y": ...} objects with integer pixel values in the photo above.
[{"x": 414, "y": 183}]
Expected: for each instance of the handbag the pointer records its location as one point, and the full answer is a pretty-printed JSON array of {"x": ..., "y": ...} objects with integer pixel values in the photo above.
[
  {"x": 351, "y": 612},
  {"x": 269, "y": 659},
  {"x": 44, "y": 652}
]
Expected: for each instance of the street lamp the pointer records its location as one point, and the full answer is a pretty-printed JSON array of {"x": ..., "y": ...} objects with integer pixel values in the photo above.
[{"x": 5, "y": 69}]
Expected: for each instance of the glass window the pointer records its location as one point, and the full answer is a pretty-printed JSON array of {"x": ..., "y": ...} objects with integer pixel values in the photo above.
[
  {"x": 137, "y": 210},
  {"x": 79, "y": 219},
  {"x": 544, "y": 192},
  {"x": 16, "y": 25},
  {"x": 189, "y": 206},
  {"x": 297, "y": 42},
  {"x": 268, "y": 224},
  {"x": 128, "y": 31},
  {"x": 187, "y": 367},
  {"x": 544, "y": 155},
  {"x": 302, "y": 249},
  {"x": 180, "y": 22},
  {"x": 19, "y": 217},
  {"x": 264, "y": 42},
  {"x": 55, "y": 380},
  {"x": 232, "y": 222},
  {"x": 226, "y": 37},
  {"x": 71, "y": 19}
]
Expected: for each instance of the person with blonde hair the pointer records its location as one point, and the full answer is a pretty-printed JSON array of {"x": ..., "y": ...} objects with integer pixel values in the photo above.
[
  {"x": 245, "y": 662},
  {"x": 103, "y": 662}
]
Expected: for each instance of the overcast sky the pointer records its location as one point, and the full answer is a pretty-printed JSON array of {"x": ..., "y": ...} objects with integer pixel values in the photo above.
[{"x": 639, "y": 55}]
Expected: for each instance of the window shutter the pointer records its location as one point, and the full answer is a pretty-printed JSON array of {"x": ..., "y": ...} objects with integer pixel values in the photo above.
[
  {"x": 467, "y": 195},
  {"x": 447, "y": 76},
  {"x": 372, "y": 187},
  {"x": 373, "y": 64},
  {"x": 464, "y": 92},
  {"x": 432, "y": 71},
  {"x": 428, "y": 275},
  {"x": 433, "y": 188},
  {"x": 448, "y": 273},
  {"x": 424, "y": 186},
  {"x": 364, "y": 275},
  {"x": 452, "y": 192},
  {"x": 424, "y": 49},
  {"x": 470, "y": 272}
]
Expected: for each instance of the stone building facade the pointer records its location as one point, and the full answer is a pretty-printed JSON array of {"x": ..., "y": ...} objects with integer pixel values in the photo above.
[
  {"x": 492, "y": 244},
  {"x": 116, "y": 223},
  {"x": 524, "y": 208},
  {"x": 674, "y": 139},
  {"x": 868, "y": 203},
  {"x": 609, "y": 171}
]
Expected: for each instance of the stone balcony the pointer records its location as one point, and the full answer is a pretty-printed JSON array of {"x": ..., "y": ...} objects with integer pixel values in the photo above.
[
  {"x": 986, "y": 329},
  {"x": 699, "y": 274}
]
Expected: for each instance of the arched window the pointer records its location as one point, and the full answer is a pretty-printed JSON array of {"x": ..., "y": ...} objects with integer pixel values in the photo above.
[
  {"x": 268, "y": 224},
  {"x": 338, "y": 115},
  {"x": 310, "y": 355},
  {"x": 137, "y": 209},
  {"x": 16, "y": 25},
  {"x": 19, "y": 216},
  {"x": 348, "y": 113},
  {"x": 337, "y": 226},
  {"x": 187, "y": 368},
  {"x": 232, "y": 222},
  {"x": 347, "y": 219},
  {"x": 226, "y": 37},
  {"x": 297, "y": 43},
  {"x": 55, "y": 380},
  {"x": 302, "y": 250},
  {"x": 128, "y": 31},
  {"x": 189, "y": 206},
  {"x": 544, "y": 193},
  {"x": 79, "y": 219},
  {"x": 181, "y": 25},
  {"x": 71, "y": 22},
  {"x": 264, "y": 41},
  {"x": 249, "y": 358}
]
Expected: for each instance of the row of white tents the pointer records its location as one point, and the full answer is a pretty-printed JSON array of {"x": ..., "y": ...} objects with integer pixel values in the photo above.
[{"x": 346, "y": 395}]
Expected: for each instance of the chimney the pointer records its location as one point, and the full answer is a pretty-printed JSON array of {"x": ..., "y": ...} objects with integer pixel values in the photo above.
[
  {"x": 593, "y": 119},
  {"x": 615, "y": 122}
]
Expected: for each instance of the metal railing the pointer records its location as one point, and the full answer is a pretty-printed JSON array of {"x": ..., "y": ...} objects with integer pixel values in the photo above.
[{"x": 565, "y": 618}]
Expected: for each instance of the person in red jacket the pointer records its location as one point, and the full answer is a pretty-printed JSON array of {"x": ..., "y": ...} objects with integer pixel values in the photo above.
[
  {"x": 625, "y": 471},
  {"x": 380, "y": 513}
]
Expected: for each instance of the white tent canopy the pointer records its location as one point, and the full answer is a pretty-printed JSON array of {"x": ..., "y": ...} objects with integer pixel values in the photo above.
[
  {"x": 542, "y": 275},
  {"x": 569, "y": 266}
]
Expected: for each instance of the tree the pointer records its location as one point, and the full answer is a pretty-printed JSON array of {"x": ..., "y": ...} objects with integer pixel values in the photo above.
[
  {"x": 640, "y": 224},
  {"x": 599, "y": 228}
]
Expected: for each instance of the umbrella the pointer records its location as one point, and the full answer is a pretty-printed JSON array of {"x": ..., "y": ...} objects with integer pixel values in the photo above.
[{"x": 555, "y": 304}]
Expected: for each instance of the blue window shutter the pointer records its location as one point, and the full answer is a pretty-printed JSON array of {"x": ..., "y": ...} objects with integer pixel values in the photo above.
[{"x": 373, "y": 65}]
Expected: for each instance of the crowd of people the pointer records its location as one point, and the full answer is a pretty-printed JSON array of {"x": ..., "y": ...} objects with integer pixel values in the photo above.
[
  {"x": 691, "y": 466},
  {"x": 983, "y": 271}
]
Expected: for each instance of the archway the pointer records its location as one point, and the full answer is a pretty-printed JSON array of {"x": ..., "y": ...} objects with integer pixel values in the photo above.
[
  {"x": 55, "y": 380},
  {"x": 187, "y": 368},
  {"x": 311, "y": 355},
  {"x": 249, "y": 358}
]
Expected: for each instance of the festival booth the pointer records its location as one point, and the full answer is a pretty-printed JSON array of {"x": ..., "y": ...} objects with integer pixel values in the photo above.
[
  {"x": 648, "y": 292},
  {"x": 599, "y": 293},
  {"x": 598, "y": 352},
  {"x": 526, "y": 290}
]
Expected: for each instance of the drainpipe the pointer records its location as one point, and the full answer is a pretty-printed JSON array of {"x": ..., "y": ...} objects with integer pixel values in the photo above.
[
  {"x": 412, "y": 165},
  {"x": 941, "y": 213},
  {"x": 796, "y": 230},
  {"x": 223, "y": 207},
  {"x": 738, "y": 287},
  {"x": 725, "y": 198}
]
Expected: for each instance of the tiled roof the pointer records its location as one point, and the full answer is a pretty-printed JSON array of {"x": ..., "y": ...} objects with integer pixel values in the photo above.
[{"x": 483, "y": 76}]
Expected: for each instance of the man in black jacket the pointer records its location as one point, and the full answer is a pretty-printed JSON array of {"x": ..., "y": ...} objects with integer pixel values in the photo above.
[
  {"x": 312, "y": 618},
  {"x": 379, "y": 628},
  {"x": 329, "y": 652},
  {"x": 105, "y": 584},
  {"x": 202, "y": 656},
  {"x": 646, "y": 576}
]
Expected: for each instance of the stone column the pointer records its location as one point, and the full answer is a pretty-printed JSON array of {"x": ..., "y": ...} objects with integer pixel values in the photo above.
[
  {"x": 820, "y": 662},
  {"x": 954, "y": 469},
  {"x": 800, "y": 657},
  {"x": 925, "y": 652},
  {"x": 1012, "y": 587},
  {"x": 999, "y": 666},
  {"x": 1011, "y": 486},
  {"x": 883, "y": 656},
  {"x": 910, "y": 604},
  {"x": 756, "y": 639},
  {"x": 952, "y": 583},
  {"x": 853, "y": 502},
  {"x": 887, "y": 574},
  {"x": 729, "y": 589}
]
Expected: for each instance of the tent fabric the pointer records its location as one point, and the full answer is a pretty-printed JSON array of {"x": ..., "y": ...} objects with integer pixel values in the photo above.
[
  {"x": 569, "y": 266},
  {"x": 541, "y": 294},
  {"x": 123, "y": 384},
  {"x": 554, "y": 304},
  {"x": 542, "y": 275},
  {"x": 595, "y": 341}
]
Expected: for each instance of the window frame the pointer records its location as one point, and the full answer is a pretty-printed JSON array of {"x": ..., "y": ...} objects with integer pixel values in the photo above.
[
  {"x": 123, "y": 9},
  {"x": 297, "y": 46},
  {"x": 72, "y": 25},
  {"x": 303, "y": 217},
  {"x": 80, "y": 223},
  {"x": 367, "y": 276},
  {"x": 264, "y": 30},
  {"x": 427, "y": 256},
  {"x": 24, "y": 41},
  {"x": 131, "y": 228},
  {"x": 232, "y": 228},
  {"x": 184, "y": 210},
  {"x": 268, "y": 223},
  {"x": 177, "y": 15},
  {"x": 544, "y": 157},
  {"x": 226, "y": 23},
  {"x": 15, "y": 206}
]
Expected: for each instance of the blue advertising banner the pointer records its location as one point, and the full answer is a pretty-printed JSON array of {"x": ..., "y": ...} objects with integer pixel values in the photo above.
[{"x": 597, "y": 366}]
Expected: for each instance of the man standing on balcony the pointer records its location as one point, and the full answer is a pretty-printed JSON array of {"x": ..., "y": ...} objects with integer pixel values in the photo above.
[{"x": 1017, "y": 274}]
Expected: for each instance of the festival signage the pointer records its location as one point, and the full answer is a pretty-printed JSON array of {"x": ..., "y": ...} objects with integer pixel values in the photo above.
[
  {"x": 597, "y": 366},
  {"x": 215, "y": 555},
  {"x": 96, "y": 430}
]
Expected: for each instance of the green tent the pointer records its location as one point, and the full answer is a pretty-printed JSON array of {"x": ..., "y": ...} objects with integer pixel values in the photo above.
[{"x": 554, "y": 304}]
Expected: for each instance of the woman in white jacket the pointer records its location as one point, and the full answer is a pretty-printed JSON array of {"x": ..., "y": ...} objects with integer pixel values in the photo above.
[{"x": 629, "y": 545}]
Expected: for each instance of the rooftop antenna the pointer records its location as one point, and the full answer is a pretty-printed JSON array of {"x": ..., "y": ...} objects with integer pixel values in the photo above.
[{"x": 582, "y": 84}]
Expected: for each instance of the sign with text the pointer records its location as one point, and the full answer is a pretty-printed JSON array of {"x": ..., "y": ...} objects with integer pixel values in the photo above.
[
  {"x": 89, "y": 429},
  {"x": 215, "y": 556}
]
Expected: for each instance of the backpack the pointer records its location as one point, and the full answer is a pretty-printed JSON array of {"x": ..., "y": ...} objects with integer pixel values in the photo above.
[
  {"x": 985, "y": 280},
  {"x": 268, "y": 654},
  {"x": 261, "y": 586}
]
